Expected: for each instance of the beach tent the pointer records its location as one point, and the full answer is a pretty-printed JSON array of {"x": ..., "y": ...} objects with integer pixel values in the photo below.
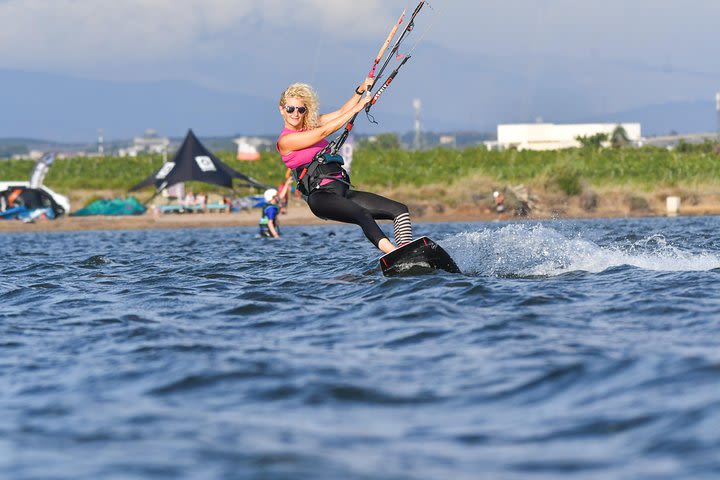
[{"x": 195, "y": 162}]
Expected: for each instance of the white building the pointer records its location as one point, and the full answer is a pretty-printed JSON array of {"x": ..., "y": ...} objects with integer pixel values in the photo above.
[
  {"x": 549, "y": 136},
  {"x": 150, "y": 142},
  {"x": 447, "y": 140}
]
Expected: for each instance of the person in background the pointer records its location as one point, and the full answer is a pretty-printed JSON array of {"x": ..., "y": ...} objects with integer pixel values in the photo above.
[
  {"x": 327, "y": 185},
  {"x": 269, "y": 226},
  {"x": 284, "y": 191},
  {"x": 201, "y": 201},
  {"x": 189, "y": 200},
  {"x": 499, "y": 201}
]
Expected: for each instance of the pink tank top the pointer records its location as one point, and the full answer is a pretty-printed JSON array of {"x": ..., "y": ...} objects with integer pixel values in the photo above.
[{"x": 300, "y": 157}]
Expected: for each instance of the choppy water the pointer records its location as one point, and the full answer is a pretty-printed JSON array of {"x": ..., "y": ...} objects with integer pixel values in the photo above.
[{"x": 586, "y": 349}]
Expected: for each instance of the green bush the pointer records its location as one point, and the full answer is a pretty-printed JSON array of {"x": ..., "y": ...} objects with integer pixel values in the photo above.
[
  {"x": 566, "y": 178},
  {"x": 644, "y": 168}
]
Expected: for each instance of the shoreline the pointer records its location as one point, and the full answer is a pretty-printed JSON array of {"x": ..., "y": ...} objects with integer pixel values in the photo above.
[{"x": 299, "y": 214}]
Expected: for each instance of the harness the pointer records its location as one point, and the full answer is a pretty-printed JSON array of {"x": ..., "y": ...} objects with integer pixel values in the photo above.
[{"x": 323, "y": 166}]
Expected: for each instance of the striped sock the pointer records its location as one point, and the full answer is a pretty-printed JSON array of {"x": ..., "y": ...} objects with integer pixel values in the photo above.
[{"x": 402, "y": 229}]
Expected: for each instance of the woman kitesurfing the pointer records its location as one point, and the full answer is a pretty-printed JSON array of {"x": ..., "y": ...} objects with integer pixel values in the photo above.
[
  {"x": 327, "y": 185},
  {"x": 318, "y": 168}
]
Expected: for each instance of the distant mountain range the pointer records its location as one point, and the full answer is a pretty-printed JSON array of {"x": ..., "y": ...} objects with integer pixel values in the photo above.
[{"x": 65, "y": 109}]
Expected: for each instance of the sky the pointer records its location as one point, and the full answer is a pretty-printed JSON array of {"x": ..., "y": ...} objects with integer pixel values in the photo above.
[{"x": 475, "y": 63}]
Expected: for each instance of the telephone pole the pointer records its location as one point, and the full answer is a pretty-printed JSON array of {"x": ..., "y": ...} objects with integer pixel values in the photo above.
[
  {"x": 101, "y": 146},
  {"x": 717, "y": 108},
  {"x": 417, "y": 142}
]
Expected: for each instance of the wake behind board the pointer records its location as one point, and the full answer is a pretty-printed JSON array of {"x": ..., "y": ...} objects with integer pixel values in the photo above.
[{"x": 417, "y": 257}]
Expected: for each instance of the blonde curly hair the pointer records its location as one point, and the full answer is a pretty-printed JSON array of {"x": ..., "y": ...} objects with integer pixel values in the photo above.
[{"x": 308, "y": 96}]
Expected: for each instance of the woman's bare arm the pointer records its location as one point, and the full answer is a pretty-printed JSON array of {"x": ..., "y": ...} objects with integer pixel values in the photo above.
[
  {"x": 300, "y": 140},
  {"x": 347, "y": 106}
]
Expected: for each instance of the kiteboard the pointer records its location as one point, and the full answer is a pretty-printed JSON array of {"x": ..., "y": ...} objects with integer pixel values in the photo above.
[{"x": 417, "y": 257}]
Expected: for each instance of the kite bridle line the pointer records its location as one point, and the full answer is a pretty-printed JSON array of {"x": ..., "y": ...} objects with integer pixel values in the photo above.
[
  {"x": 406, "y": 31},
  {"x": 385, "y": 45},
  {"x": 336, "y": 144},
  {"x": 405, "y": 58}
]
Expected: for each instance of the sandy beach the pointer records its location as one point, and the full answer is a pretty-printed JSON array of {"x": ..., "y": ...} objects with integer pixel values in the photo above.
[
  {"x": 299, "y": 214},
  {"x": 151, "y": 220}
]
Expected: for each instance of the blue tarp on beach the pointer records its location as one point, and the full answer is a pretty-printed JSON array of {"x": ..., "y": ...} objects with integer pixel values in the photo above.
[{"x": 117, "y": 206}]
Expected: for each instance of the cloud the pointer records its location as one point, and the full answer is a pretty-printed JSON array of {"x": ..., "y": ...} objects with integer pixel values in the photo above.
[
  {"x": 96, "y": 34},
  {"x": 93, "y": 36},
  {"x": 613, "y": 54},
  {"x": 638, "y": 29}
]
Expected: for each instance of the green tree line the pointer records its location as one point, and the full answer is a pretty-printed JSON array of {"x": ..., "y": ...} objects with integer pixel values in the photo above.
[{"x": 374, "y": 168}]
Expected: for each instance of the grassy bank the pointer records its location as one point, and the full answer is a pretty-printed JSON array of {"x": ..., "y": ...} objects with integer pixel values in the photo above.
[
  {"x": 645, "y": 169},
  {"x": 448, "y": 175}
]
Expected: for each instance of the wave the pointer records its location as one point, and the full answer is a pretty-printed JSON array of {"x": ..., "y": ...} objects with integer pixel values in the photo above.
[{"x": 538, "y": 250}]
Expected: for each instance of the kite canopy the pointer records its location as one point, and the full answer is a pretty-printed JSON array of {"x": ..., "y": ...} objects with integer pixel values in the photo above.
[
  {"x": 194, "y": 162},
  {"x": 117, "y": 206}
]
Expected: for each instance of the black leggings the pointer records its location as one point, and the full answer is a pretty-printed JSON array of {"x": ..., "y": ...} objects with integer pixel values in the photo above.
[{"x": 336, "y": 201}]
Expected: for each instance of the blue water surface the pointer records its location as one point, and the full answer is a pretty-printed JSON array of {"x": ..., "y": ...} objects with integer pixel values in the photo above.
[{"x": 576, "y": 349}]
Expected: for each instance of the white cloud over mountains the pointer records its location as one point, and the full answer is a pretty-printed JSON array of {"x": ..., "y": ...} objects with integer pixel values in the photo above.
[
  {"x": 90, "y": 35},
  {"x": 509, "y": 60},
  {"x": 82, "y": 34}
]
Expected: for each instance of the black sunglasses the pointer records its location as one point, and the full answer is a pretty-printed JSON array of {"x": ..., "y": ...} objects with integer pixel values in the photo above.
[{"x": 291, "y": 109}]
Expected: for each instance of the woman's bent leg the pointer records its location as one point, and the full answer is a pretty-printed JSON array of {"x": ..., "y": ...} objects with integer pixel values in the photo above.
[
  {"x": 382, "y": 208},
  {"x": 332, "y": 206}
]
